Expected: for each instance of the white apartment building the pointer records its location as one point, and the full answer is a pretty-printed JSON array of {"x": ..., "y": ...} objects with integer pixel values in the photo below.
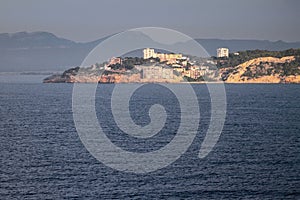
[
  {"x": 222, "y": 52},
  {"x": 169, "y": 57},
  {"x": 149, "y": 53}
]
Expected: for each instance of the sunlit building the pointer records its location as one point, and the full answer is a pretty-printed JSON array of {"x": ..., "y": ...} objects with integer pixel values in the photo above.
[
  {"x": 115, "y": 60},
  {"x": 222, "y": 52},
  {"x": 157, "y": 72},
  {"x": 170, "y": 58},
  {"x": 148, "y": 53}
]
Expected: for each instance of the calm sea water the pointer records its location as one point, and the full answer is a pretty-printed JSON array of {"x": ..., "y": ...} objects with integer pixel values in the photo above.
[{"x": 256, "y": 157}]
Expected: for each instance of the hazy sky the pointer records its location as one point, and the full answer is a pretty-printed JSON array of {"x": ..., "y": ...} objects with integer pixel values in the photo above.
[{"x": 88, "y": 20}]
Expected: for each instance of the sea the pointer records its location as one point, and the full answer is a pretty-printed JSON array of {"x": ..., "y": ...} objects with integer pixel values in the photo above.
[{"x": 42, "y": 156}]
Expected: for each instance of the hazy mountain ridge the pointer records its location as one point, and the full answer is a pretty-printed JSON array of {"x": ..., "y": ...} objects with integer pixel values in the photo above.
[
  {"x": 41, "y": 51},
  {"x": 32, "y": 40},
  {"x": 235, "y": 45}
]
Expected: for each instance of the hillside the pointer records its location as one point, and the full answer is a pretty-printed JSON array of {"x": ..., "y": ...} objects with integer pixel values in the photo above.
[
  {"x": 264, "y": 70},
  {"x": 243, "y": 56}
]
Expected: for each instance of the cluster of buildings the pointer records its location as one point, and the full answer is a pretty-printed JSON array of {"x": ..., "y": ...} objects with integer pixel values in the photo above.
[
  {"x": 180, "y": 63},
  {"x": 169, "y": 58},
  {"x": 196, "y": 72},
  {"x": 175, "y": 62},
  {"x": 160, "y": 72},
  {"x": 172, "y": 58}
]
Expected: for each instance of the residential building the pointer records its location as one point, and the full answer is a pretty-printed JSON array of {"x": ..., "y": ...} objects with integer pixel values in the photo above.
[
  {"x": 170, "y": 58},
  {"x": 149, "y": 53},
  {"x": 222, "y": 52},
  {"x": 115, "y": 60},
  {"x": 157, "y": 72}
]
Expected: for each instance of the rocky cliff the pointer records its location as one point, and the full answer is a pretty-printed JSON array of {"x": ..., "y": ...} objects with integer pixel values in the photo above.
[{"x": 263, "y": 70}]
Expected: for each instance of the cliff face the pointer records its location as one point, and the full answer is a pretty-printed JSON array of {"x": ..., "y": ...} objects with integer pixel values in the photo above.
[
  {"x": 292, "y": 79},
  {"x": 262, "y": 70}
]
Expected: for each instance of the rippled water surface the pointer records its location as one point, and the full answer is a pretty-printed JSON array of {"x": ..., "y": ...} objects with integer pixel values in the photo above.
[{"x": 256, "y": 157}]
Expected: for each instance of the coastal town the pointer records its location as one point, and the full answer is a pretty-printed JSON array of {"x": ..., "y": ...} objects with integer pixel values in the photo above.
[
  {"x": 156, "y": 66},
  {"x": 238, "y": 67}
]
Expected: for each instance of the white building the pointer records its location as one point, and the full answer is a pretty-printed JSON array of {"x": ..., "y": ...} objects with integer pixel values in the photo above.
[
  {"x": 149, "y": 53},
  {"x": 222, "y": 52},
  {"x": 156, "y": 73}
]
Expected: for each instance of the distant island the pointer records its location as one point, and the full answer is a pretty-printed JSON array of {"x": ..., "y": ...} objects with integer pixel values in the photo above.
[{"x": 252, "y": 66}]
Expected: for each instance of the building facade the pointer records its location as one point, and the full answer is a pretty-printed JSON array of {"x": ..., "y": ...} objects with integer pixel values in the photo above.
[
  {"x": 157, "y": 72},
  {"x": 170, "y": 58},
  {"x": 115, "y": 60},
  {"x": 222, "y": 52},
  {"x": 149, "y": 53}
]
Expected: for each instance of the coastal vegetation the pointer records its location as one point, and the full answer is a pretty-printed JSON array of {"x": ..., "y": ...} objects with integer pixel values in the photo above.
[{"x": 240, "y": 57}]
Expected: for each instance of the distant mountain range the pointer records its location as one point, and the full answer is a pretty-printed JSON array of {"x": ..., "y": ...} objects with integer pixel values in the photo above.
[{"x": 43, "y": 51}]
